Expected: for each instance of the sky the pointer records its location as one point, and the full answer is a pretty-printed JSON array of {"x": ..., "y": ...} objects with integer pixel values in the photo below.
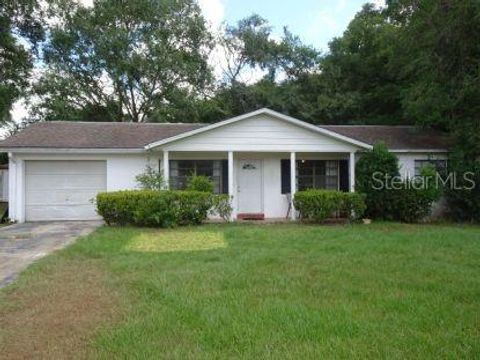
[{"x": 316, "y": 22}]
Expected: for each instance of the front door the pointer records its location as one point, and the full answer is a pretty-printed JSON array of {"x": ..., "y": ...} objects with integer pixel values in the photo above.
[{"x": 249, "y": 186}]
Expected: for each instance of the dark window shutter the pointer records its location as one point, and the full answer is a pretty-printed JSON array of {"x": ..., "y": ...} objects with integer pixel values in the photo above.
[
  {"x": 285, "y": 165},
  {"x": 224, "y": 166},
  {"x": 344, "y": 178}
]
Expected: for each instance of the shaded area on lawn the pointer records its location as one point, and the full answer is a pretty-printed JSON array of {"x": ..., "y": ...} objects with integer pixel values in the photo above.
[{"x": 386, "y": 290}]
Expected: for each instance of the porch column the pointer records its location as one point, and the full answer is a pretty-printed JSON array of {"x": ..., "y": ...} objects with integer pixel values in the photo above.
[
  {"x": 20, "y": 195},
  {"x": 230, "y": 183},
  {"x": 351, "y": 172},
  {"x": 12, "y": 187},
  {"x": 166, "y": 169},
  {"x": 293, "y": 182}
]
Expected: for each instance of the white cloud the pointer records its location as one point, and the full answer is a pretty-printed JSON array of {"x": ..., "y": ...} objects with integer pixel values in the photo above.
[
  {"x": 86, "y": 3},
  {"x": 378, "y": 3},
  {"x": 213, "y": 10},
  {"x": 19, "y": 110}
]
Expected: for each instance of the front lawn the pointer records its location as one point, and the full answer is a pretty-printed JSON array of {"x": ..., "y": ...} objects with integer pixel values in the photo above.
[{"x": 274, "y": 291}]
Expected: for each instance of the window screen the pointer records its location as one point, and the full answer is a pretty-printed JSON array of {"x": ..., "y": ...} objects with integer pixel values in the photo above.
[{"x": 311, "y": 174}]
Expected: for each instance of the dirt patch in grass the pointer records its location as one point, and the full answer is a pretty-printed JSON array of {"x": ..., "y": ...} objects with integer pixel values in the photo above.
[{"x": 54, "y": 312}]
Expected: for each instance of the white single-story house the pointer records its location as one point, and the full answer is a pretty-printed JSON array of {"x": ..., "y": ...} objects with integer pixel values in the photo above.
[{"x": 259, "y": 159}]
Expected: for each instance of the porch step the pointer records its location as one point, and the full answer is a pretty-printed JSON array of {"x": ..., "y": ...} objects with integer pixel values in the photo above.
[{"x": 251, "y": 216}]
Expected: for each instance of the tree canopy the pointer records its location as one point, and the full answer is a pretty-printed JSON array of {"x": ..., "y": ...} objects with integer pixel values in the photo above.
[
  {"x": 21, "y": 29},
  {"x": 123, "y": 63}
]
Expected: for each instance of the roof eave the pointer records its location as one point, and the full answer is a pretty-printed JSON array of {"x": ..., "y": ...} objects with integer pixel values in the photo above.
[
  {"x": 419, "y": 150},
  {"x": 51, "y": 150}
]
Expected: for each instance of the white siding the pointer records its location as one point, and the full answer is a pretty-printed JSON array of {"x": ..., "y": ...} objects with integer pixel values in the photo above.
[
  {"x": 406, "y": 161},
  {"x": 122, "y": 170},
  {"x": 261, "y": 133}
]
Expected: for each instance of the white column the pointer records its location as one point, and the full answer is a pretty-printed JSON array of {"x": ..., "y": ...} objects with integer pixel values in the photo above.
[
  {"x": 231, "y": 193},
  {"x": 351, "y": 172},
  {"x": 20, "y": 196},
  {"x": 12, "y": 186},
  {"x": 166, "y": 169},
  {"x": 293, "y": 182}
]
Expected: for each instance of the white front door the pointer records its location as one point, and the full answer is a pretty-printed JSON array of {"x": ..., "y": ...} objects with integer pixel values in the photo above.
[{"x": 249, "y": 186}]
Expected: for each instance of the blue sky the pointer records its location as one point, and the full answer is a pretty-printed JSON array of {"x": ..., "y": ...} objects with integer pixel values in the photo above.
[{"x": 315, "y": 21}]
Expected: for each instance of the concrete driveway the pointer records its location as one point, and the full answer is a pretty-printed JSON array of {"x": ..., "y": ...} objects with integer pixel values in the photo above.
[{"x": 22, "y": 244}]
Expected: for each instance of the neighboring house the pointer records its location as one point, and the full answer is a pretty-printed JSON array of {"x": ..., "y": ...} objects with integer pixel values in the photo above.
[{"x": 259, "y": 158}]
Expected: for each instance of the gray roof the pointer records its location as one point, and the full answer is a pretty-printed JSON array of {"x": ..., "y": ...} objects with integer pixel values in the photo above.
[
  {"x": 94, "y": 135},
  {"x": 395, "y": 137},
  {"x": 98, "y": 135}
]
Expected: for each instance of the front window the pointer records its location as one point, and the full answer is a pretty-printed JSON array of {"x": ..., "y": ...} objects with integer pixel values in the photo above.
[
  {"x": 439, "y": 165},
  {"x": 312, "y": 174},
  {"x": 181, "y": 170}
]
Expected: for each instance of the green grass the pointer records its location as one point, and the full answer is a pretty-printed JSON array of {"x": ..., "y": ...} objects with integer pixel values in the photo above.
[{"x": 286, "y": 291}]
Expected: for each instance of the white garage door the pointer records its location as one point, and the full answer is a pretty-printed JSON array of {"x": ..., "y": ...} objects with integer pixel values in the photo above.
[{"x": 62, "y": 190}]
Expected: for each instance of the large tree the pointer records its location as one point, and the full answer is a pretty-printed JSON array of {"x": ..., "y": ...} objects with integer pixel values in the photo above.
[
  {"x": 359, "y": 81},
  {"x": 134, "y": 61},
  {"x": 440, "y": 58},
  {"x": 21, "y": 28}
]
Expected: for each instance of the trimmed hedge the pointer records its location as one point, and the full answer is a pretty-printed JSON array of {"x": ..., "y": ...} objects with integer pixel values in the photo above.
[
  {"x": 318, "y": 205},
  {"x": 159, "y": 208}
]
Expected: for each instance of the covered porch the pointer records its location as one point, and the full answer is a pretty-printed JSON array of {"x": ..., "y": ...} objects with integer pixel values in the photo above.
[
  {"x": 263, "y": 159},
  {"x": 261, "y": 184}
]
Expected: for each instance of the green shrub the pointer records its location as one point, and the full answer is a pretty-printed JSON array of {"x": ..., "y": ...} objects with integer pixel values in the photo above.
[
  {"x": 388, "y": 197},
  {"x": 160, "y": 208},
  {"x": 433, "y": 189},
  {"x": 318, "y": 205},
  {"x": 353, "y": 205},
  {"x": 200, "y": 183},
  {"x": 410, "y": 205},
  {"x": 376, "y": 164},
  {"x": 119, "y": 207},
  {"x": 464, "y": 199},
  {"x": 221, "y": 206},
  {"x": 150, "y": 179},
  {"x": 193, "y": 206},
  {"x": 154, "y": 208}
]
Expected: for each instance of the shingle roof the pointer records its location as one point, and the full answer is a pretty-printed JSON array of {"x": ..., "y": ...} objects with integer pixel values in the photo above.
[
  {"x": 395, "y": 137},
  {"x": 98, "y": 135}
]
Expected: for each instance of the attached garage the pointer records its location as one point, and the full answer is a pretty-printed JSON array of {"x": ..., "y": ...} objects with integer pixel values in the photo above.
[{"x": 63, "y": 190}]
